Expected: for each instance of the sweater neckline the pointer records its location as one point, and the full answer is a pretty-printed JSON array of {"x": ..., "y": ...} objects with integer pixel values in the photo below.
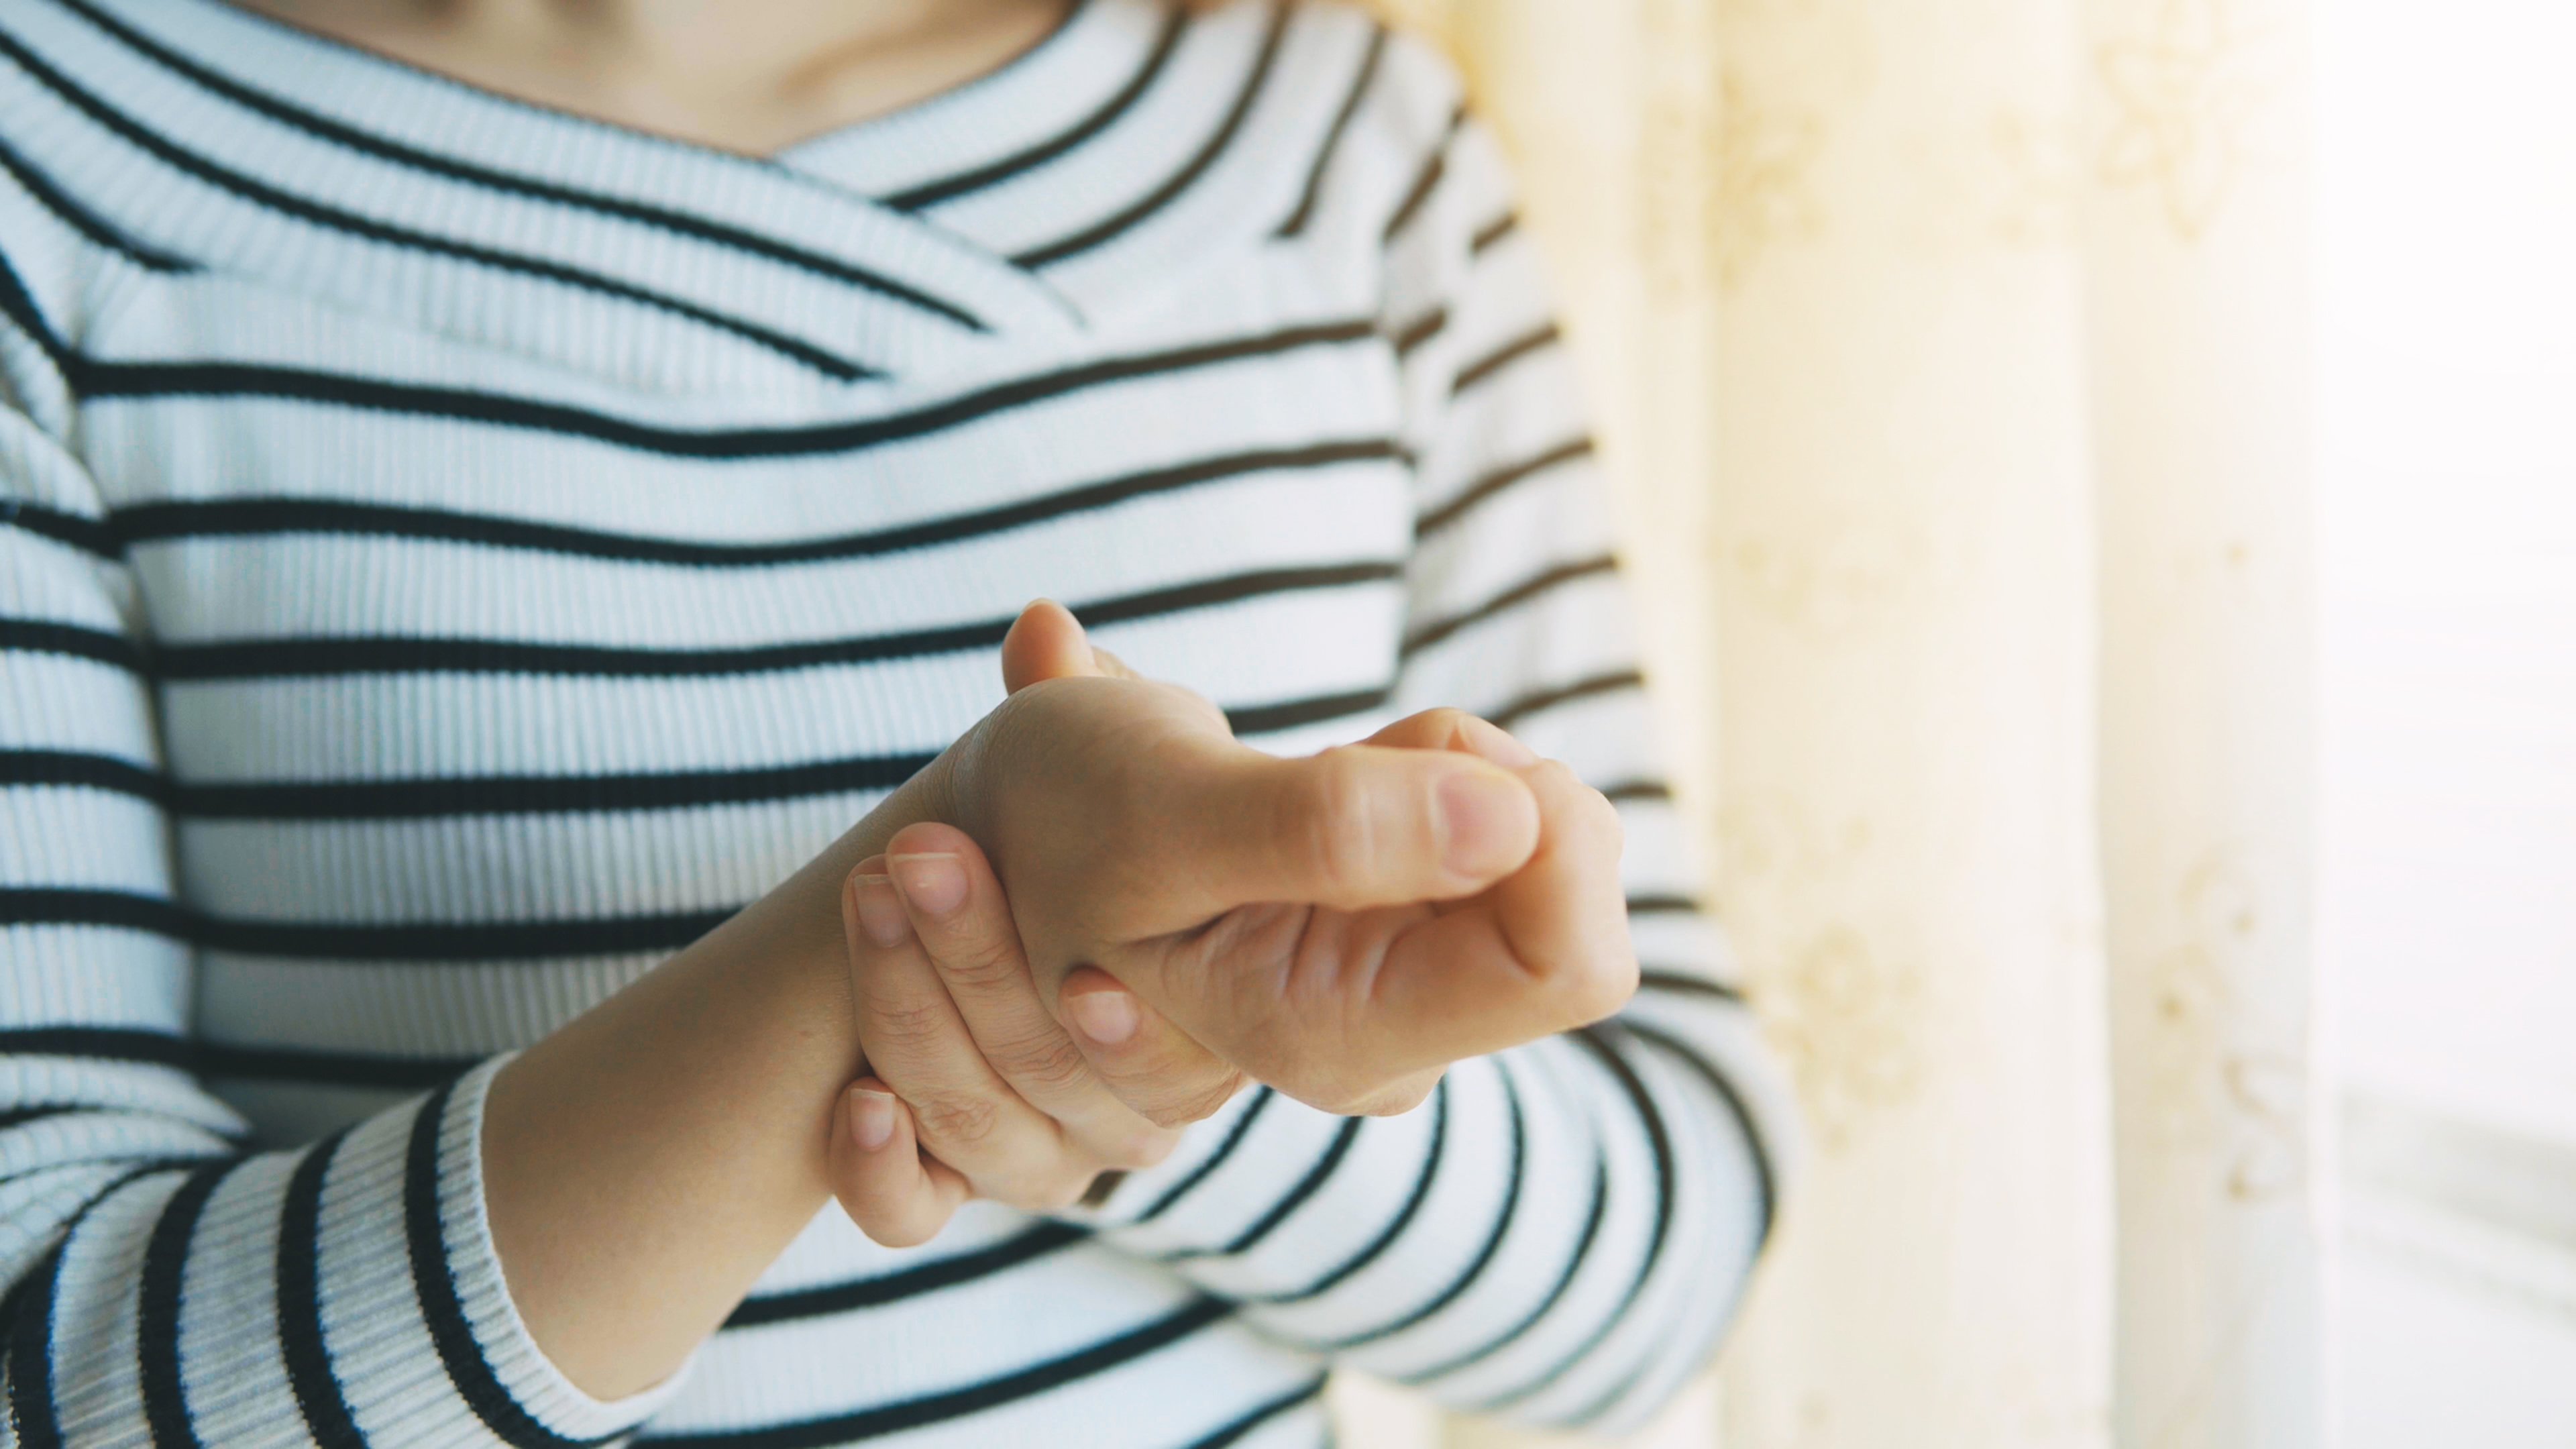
[{"x": 794, "y": 252}]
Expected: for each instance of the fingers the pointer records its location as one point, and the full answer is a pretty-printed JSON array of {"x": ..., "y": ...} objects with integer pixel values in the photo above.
[
  {"x": 958, "y": 912},
  {"x": 915, "y": 1039},
  {"x": 1455, "y": 729},
  {"x": 1545, "y": 950},
  {"x": 896, "y": 1196},
  {"x": 1355, "y": 1011},
  {"x": 1151, "y": 1066}
]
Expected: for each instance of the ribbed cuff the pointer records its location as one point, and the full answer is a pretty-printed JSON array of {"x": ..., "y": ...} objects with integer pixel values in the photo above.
[{"x": 518, "y": 1391}]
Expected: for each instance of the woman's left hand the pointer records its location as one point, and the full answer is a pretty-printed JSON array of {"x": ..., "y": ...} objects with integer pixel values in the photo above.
[{"x": 977, "y": 1090}]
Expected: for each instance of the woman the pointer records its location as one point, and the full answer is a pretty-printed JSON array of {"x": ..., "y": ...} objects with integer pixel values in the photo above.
[{"x": 494, "y": 491}]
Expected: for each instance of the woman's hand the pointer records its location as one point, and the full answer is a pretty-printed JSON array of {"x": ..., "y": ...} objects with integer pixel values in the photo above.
[
  {"x": 1341, "y": 927},
  {"x": 976, "y": 1091}
]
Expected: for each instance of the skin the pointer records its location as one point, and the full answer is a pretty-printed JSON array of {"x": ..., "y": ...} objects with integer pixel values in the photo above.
[
  {"x": 1339, "y": 927},
  {"x": 749, "y": 76},
  {"x": 980, "y": 1090},
  {"x": 645, "y": 1162}
]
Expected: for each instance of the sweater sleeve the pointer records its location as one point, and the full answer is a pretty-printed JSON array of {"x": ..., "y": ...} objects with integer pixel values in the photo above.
[
  {"x": 166, "y": 1284},
  {"x": 1561, "y": 1234}
]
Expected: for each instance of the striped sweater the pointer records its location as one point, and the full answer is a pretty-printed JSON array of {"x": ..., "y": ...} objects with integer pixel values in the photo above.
[{"x": 452, "y": 553}]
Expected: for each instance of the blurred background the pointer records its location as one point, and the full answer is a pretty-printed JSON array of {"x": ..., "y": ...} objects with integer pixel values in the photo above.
[{"x": 2102, "y": 477}]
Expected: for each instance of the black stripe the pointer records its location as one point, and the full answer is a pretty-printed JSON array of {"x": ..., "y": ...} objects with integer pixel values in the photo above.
[
  {"x": 186, "y": 379},
  {"x": 1766, "y": 1185},
  {"x": 137, "y": 1047},
  {"x": 1662, "y": 905},
  {"x": 1418, "y": 331},
  {"x": 947, "y": 1272},
  {"x": 1591, "y": 1233},
  {"x": 1492, "y": 232},
  {"x": 21, "y": 1116},
  {"x": 1493, "y": 1243},
  {"x": 1234, "y": 1136},
  {"x": 117, "y": 1044},
  {"x": 83, "y": 220},
  {"x": 386, "y": 654},
  {"x": 1599, "y": 1040},
  {"x": 1504, "y": 356},
  {"x": 1618, "y": 790},
  {"x": 1682, "y": 983},
  {"x": 462, "y": 941},
  {"x": 1260, "y": 1414},
  {"x": 1495, "y": 482},
  {"x": 454, "y": 169},
  {"x": 299, "y": 1303},
  {"x": 1313, "y": 1182},
  {"x": 96, "y": 379},
  {"x": 1119, "y": 223},
  {"x": 89, "y": 535},
  {"x": 1270, "y": 718},
  {"x": 94, "y": 772},
  {"x": 1306, "y": 196},
  {"x": 27, "y": 1324},
  {"x": 1542, "y": 699},
  {"x": 421, "y": 798},
  {"x": 320, "y": 214},
  {"x": 230, "y": 517},
  {"x": 1262, "y": 1227},
  {"x": 74, "y": 906},
  {"x": 330, "y": 1069},
  {"x": 443, "y": 1309},
  {"x": 1431, "y": 1159},
  {"x": 156, "y": 1333},
  {"x": 1521, "y": 593},
  {"x": 1425, "y": 181},
  {"x": 935, "y": 193},
  {"x": 44, "y": 636},
  {"x": 19, "y": 306},
  {"x": 957, "y": 1403}
]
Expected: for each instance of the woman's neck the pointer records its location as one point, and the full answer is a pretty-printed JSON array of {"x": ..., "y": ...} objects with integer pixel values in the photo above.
[{"x": 752, "y": 76}]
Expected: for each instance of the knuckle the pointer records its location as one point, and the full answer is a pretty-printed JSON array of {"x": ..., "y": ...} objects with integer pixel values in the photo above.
[
  {"x": 906, "y": 1027},
  {"x": 1192, "y": 702},
  {"x": 1442, "y": 725},
  {"x": 976, "y": 955},
  {"x": 1599, "y": 987},
  {"x": 1334, "y": 828},
  {"x": 1046, "y": 1063},
  {"x": 1179, "y": 1107},
  {"x": 956, "y": 1121}
]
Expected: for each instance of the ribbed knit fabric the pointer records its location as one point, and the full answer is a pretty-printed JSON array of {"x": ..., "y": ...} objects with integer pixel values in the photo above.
[{"x": 454, "y": 553}]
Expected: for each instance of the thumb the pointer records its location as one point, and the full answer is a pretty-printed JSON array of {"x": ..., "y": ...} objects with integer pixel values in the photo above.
[
  {"x": 1351, "y": 828},
  {"x": 1046, "y": 642}
]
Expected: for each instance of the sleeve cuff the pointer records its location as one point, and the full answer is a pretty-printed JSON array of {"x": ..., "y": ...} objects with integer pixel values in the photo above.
[{"x": 521, "y": 1394}]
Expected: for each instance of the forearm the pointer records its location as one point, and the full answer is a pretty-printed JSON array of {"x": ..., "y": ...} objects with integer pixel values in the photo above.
[{"x": 647, "y": 1161}]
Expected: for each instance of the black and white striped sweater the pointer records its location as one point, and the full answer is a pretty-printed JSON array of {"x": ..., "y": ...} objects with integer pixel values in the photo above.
[{"x": 453, "y": 553}]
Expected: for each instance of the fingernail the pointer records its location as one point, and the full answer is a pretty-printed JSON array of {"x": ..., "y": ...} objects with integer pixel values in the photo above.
[
  {"x": 1484, "y": 816},
  {"x": 933, "y": 882},
  {"x": 880, "y": 914},
  {"x": 1107, "y": 1016},
  {"x": 871, "y": 1118}
]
